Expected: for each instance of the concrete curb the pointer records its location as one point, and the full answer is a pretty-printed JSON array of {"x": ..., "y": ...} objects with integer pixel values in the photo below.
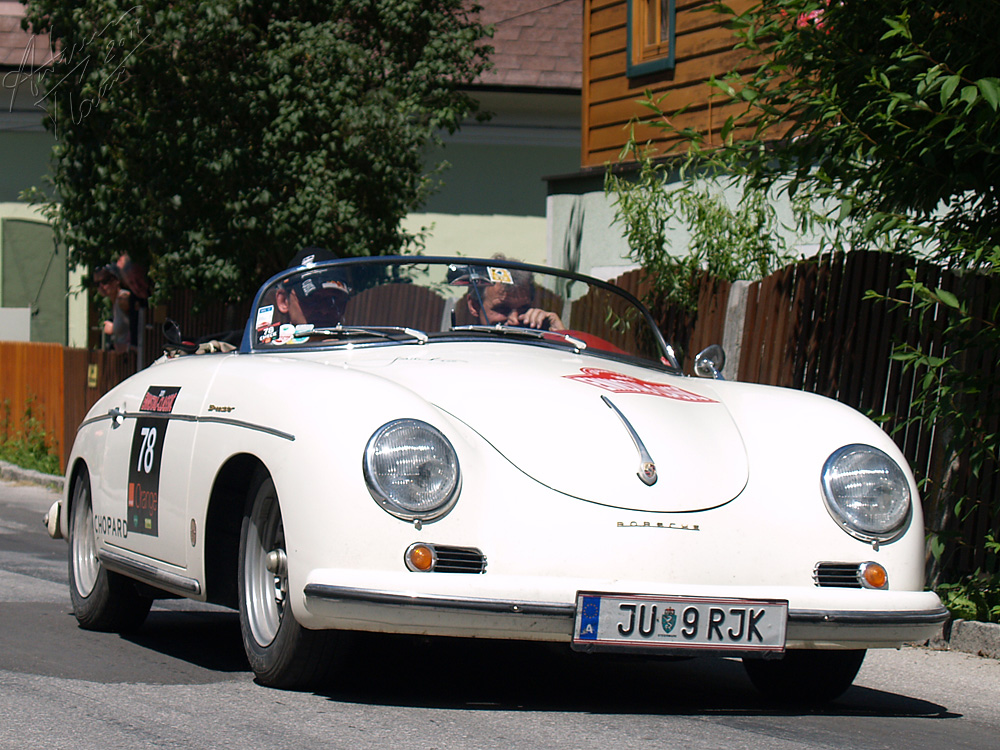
[
  {"x": 13, "y": 473},
  {"x": 978, "y": 638}
]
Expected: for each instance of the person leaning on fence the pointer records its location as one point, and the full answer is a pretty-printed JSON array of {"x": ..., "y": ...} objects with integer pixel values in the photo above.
[
  {"x": 108, "y": 282},
  {"x": 133, "y": 277}
]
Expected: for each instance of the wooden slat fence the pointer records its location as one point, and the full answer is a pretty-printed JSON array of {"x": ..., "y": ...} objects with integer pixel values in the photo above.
[
  {"x": 61, "y": 384},
  {"x": 397, "y": 305}
]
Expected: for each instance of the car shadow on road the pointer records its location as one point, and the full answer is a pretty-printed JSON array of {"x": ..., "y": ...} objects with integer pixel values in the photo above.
[
  {"x": 450, "y": 673},
  {"x": 43, "y": 638},
  {"x": 208, "y": 640},
  {"x": 423, "y": 672},
  {"x": 203, "y": 645}
]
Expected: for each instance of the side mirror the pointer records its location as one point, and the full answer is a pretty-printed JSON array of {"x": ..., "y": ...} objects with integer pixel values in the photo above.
[{"x": 709, "y": 362}]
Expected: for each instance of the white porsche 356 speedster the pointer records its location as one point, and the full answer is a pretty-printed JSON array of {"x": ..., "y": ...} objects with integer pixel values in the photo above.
[{"x": 493, "y": 450}]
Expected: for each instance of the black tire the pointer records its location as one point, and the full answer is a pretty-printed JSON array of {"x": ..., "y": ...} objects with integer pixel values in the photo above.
[
  {"x": 102, "y": 600},
  {"x": 282, "y": 654},
  {"x": 805, "y": 677}
]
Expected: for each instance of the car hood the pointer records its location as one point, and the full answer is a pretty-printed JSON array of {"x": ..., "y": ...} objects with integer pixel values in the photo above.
[{"x": 551, "y": 418}]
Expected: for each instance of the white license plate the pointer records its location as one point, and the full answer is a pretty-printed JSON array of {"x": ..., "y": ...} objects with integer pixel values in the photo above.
[{"x": 626, "y": 621}]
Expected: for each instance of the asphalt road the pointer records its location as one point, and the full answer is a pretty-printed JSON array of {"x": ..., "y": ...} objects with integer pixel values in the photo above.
[{"x": 182, "y": 682}]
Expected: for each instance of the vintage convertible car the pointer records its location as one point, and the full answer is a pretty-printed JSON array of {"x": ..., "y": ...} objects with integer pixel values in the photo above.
[{"x": 480, "y": 448}]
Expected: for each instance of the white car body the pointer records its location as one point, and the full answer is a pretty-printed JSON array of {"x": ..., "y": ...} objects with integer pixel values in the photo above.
[{"x": 550, "y": 491}]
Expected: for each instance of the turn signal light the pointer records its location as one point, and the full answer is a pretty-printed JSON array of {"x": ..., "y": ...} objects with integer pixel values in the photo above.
[
  {"x": 874, "y": 576},
  {"x": 420, "y": 558}
]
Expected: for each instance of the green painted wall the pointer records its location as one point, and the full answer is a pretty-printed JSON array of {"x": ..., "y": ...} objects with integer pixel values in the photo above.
[
  {"x": 34, "y": 274},
  {"x": 498, "y": 179},
  {"x": 24, "y": 162},
  {"x": 493, "y": 199}
]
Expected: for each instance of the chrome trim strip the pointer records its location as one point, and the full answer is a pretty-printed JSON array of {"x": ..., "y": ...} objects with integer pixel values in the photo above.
[
  {"x": 148, "y": 573},
  {"x": 647, "y": 467},
  {"x": 193, "y": 418},
  {"x": 248, "y": 426},
  {"x": 818, "y": 616},
  {"x": 486, "y": 606}
]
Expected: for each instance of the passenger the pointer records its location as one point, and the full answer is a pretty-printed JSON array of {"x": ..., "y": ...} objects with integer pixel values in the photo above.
[
  {"x": 313, "y": 297},
  {"x": 506, "y": 297}
]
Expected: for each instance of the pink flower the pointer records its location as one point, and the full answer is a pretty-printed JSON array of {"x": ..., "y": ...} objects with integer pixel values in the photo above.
[{"x": 813, "y": 17}]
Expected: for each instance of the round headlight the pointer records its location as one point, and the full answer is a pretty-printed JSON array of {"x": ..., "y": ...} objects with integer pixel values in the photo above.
[
  {"x": 866, "y": 492},
  {"x": 412, "y": 470}
]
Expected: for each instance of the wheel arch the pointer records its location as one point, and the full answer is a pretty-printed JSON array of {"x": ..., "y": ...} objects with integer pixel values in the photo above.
[
  {"x": 79, "y": 470},
  {"x": 222, "y": 527}
]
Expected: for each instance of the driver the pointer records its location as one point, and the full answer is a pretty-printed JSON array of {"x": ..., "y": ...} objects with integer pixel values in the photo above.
[
  {"x": 317, "y": 297},
  {"x": 507, "y": 297}
]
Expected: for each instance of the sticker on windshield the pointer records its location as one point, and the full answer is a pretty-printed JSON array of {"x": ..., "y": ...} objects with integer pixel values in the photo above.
[
  {"x": 266, "y": 335},
  {"x": 265, "y": 316},
  {"x": 618, "y": 383},
  {"x": 289, "y": 334},
  {"x": 500, "y": 275}
]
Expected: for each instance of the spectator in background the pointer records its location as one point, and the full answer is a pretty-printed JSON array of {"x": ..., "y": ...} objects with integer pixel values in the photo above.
[
  {"x": 134, "y": 278},
  {"x": 109, "y": 285}
]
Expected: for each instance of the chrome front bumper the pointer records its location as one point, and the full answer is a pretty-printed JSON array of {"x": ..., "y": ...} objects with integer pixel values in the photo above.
[{"x": 435, "y": 614}]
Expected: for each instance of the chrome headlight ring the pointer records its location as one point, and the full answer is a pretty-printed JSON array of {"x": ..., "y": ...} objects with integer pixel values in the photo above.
[
  {"x": 412, "y": 470},
  {"x": 866, "y": 493}
]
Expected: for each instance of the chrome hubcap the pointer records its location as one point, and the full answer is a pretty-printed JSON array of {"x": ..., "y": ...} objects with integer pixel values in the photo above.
[
  {"x": 86, "y": 566},
  {"x": 265, "y": 567}
]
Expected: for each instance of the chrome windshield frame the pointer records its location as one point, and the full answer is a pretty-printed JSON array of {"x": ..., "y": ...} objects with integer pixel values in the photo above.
[{"x": 668, "y": 360}]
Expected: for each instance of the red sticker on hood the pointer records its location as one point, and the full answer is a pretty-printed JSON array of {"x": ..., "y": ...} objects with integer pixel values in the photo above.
[{"x": 618, "y": 383}]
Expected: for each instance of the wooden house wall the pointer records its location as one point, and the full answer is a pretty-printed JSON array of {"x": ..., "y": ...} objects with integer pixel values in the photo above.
[{"x": 704, "y": 47}]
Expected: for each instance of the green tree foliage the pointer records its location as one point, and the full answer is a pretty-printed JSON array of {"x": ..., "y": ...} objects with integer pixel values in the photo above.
[
  {"x": 212, "y": 140},
  {"x": 740, "y": 242},
  {"x": 888, "y": 108},
  {"x": 886, "y": 115}
]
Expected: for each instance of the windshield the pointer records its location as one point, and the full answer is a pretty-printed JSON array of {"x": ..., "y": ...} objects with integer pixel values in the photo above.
[{"x": 425, "y": 300}]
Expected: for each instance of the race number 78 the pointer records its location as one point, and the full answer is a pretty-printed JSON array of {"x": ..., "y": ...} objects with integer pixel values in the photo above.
[{"x": 146, "y": 450}]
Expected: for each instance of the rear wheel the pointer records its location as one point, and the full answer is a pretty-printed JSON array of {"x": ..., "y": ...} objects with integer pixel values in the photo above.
[
  {"x": 281, "y": 652},
  {"x": 805, "y": 677},
  {"x": 102, "y": 600}
]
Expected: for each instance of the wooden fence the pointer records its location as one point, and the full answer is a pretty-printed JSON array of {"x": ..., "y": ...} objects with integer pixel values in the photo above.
[
  {"x": 807, "y": 326},
  {"x": 58, "y": 384}
]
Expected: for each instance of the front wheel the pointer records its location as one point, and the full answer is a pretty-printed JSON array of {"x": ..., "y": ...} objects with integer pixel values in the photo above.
[
  {"x": 281, "y": 652},
  {"x": 807, "y": 677},
  {"x": 102, "y": 600}
]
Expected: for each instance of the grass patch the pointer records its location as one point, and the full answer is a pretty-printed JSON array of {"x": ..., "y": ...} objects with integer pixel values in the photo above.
[{"x": 31, "y": 447}]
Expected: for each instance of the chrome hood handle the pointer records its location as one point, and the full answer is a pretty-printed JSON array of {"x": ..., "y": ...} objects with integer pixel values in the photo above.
[{"x": 647, "y": 468}]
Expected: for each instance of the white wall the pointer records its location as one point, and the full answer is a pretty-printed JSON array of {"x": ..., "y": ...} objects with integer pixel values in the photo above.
[{"x": 603, "y": 249}]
